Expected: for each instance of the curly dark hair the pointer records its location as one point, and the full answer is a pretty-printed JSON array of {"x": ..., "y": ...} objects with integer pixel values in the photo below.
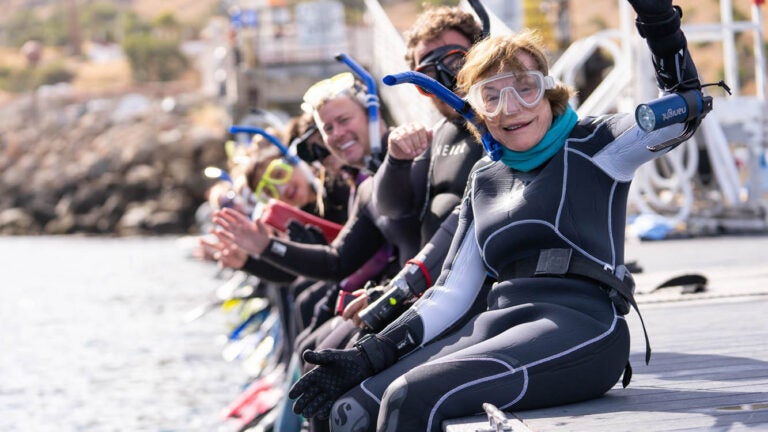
[{"x": 434, "y": 21}]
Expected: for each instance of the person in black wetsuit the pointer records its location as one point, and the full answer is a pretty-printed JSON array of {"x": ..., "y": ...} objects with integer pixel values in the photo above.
[
  {"x": 435, "y": 161},
  {"x": 545, "y": 215}
]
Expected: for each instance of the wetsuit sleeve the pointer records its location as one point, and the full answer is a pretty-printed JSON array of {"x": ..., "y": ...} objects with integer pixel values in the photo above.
[
  {"x": 267, "y": 272},
  {"x": 431, "y": 256},
  {"x": 357, "y": 241},
  {"x": 390, "y": 197},
  {"x": 450, "y": 298},
  {"x": 624, "y": 155}
]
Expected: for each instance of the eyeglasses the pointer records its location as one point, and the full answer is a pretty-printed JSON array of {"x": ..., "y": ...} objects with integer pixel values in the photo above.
[
  {"x": 272, "y": 183},
  {"x": 442, "y": 64},
  {"x": 488, "y": 96},
  {"x": 327, "y": 89}
]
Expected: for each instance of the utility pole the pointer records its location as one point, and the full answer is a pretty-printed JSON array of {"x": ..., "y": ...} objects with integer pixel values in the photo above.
[
  {"x": 74, "y": 29},
  {"x": 563, "y": 25}
]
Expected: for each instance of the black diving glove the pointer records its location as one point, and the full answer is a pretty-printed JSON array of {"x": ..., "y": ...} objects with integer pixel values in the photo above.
[
  {"x": 338, "y": 371},
  {"x": 309, "y": 234},
  {"x": 658, "y": 22},
  {"x": 653, "y": 10}
]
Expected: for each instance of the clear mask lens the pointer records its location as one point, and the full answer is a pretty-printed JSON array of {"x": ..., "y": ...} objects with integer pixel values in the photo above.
[
  {"x": 442, "y": 64},
  {"x": 525, "y": 89}
]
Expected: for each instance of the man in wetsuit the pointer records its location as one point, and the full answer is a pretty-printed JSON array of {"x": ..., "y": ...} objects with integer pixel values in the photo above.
[{"x": 435, "y": 161}]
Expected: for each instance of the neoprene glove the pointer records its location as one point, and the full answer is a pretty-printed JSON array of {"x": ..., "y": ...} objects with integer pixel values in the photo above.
[
  {"x": 338, "y": 371},
  {"x": 309, "y": 234}
]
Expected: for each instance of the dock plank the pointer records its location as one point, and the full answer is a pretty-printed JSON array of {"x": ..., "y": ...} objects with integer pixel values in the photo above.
[
  {"x": 709, "y": 371},
  {"x": 709, "y": 367}
]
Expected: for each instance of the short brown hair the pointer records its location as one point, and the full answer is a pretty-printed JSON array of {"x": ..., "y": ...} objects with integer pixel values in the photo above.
[
  {"x": 434, "y": 21},
  {"x": 499, "y": 54}
]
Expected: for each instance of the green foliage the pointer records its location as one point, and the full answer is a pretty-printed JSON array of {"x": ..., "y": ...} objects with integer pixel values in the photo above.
[
  {"x": 166, "y": 20},
  {"x": 22, "y": 26},
  {"x": 29, "y": 78},
  {"x": 131, "y": 23},
  {"x": 100, "y": 21},
  {"x": 154, "y": 59},
  {"x": 20, "y": 80},
  {"x": 53, "y": 73}
]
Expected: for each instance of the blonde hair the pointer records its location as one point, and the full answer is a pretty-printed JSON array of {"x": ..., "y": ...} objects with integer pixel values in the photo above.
[{"x": 499, "y": 54}]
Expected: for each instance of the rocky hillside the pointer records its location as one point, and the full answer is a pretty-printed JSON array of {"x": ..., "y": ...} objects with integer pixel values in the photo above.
[{"x": 123, "y": 165}]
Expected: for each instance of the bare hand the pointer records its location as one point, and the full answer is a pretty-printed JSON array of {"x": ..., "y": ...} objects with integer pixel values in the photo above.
[
  {"x": 227, "y": 254},
  {"x": 352, "y": 311},
  {"x": 235, "y": 227},
  {"x": 408, "y": 141}
]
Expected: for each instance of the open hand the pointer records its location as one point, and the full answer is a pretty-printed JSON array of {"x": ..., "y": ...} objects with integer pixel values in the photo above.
[
  {"x": 235, "y": 227},
  {"x": 337, "y": 371},
  {"x": 227, "y": 254}
]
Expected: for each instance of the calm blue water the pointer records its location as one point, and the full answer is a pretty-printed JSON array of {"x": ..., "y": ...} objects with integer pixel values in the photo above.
[{"x": 92, "y": 337}]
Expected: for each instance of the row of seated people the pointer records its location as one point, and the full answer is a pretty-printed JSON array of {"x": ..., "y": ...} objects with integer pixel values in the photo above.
[{"x": 498, "y": 242}]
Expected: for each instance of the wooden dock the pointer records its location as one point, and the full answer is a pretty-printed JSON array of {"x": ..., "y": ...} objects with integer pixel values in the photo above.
[{"x": 709, "y": 369}]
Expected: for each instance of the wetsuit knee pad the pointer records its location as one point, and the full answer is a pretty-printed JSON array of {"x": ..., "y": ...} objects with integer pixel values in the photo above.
[
  {"x": 348, "y": 415},
  {"x": 393, "y": 402}
]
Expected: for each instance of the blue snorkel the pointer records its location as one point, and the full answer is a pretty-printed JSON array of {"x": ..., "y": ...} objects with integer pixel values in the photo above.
[
  {"x": 376, "y": 157},
  {"x": 492, "y": 147},
  {"x": 290, "y": 157}
]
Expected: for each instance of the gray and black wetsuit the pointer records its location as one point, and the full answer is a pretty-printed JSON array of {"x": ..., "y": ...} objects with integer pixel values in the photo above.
[{"x": 546, "y": 338}]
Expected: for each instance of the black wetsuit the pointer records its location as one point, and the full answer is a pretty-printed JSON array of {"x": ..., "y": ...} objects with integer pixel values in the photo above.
[
  {"x": 364, "y": 233},
  {"x": 437, "y": 180},
  {"x": 335, "y": 205},
  {"x": 544, "y": 340}
]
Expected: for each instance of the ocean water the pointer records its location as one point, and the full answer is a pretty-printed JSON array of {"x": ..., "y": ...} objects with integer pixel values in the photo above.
[{"x": 93, "y": 337}]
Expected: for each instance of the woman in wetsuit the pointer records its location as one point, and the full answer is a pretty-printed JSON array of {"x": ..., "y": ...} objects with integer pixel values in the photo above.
[{"x": 546, "y": 218}]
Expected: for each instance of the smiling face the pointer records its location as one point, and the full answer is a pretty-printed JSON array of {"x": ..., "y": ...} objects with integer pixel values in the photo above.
[
  {"x": 274, "y": 178},
  {"x": 518, "y": 127},
  {"x": 344, "y": 126},
  {"x": 505, "y": 62},
  {"x": 297, "y": 191}
]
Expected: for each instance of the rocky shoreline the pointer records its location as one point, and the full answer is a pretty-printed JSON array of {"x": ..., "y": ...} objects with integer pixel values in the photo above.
[{"x": 129, "y": 164}]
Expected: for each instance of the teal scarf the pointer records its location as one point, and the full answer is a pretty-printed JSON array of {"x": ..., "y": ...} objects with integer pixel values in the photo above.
[{"x": 553, "y": 141}]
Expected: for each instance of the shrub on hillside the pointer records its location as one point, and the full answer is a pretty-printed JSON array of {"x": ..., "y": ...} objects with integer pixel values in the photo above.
[
  {"x": 154, "y": 59},
  {"x": 54, "y": 73}
]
